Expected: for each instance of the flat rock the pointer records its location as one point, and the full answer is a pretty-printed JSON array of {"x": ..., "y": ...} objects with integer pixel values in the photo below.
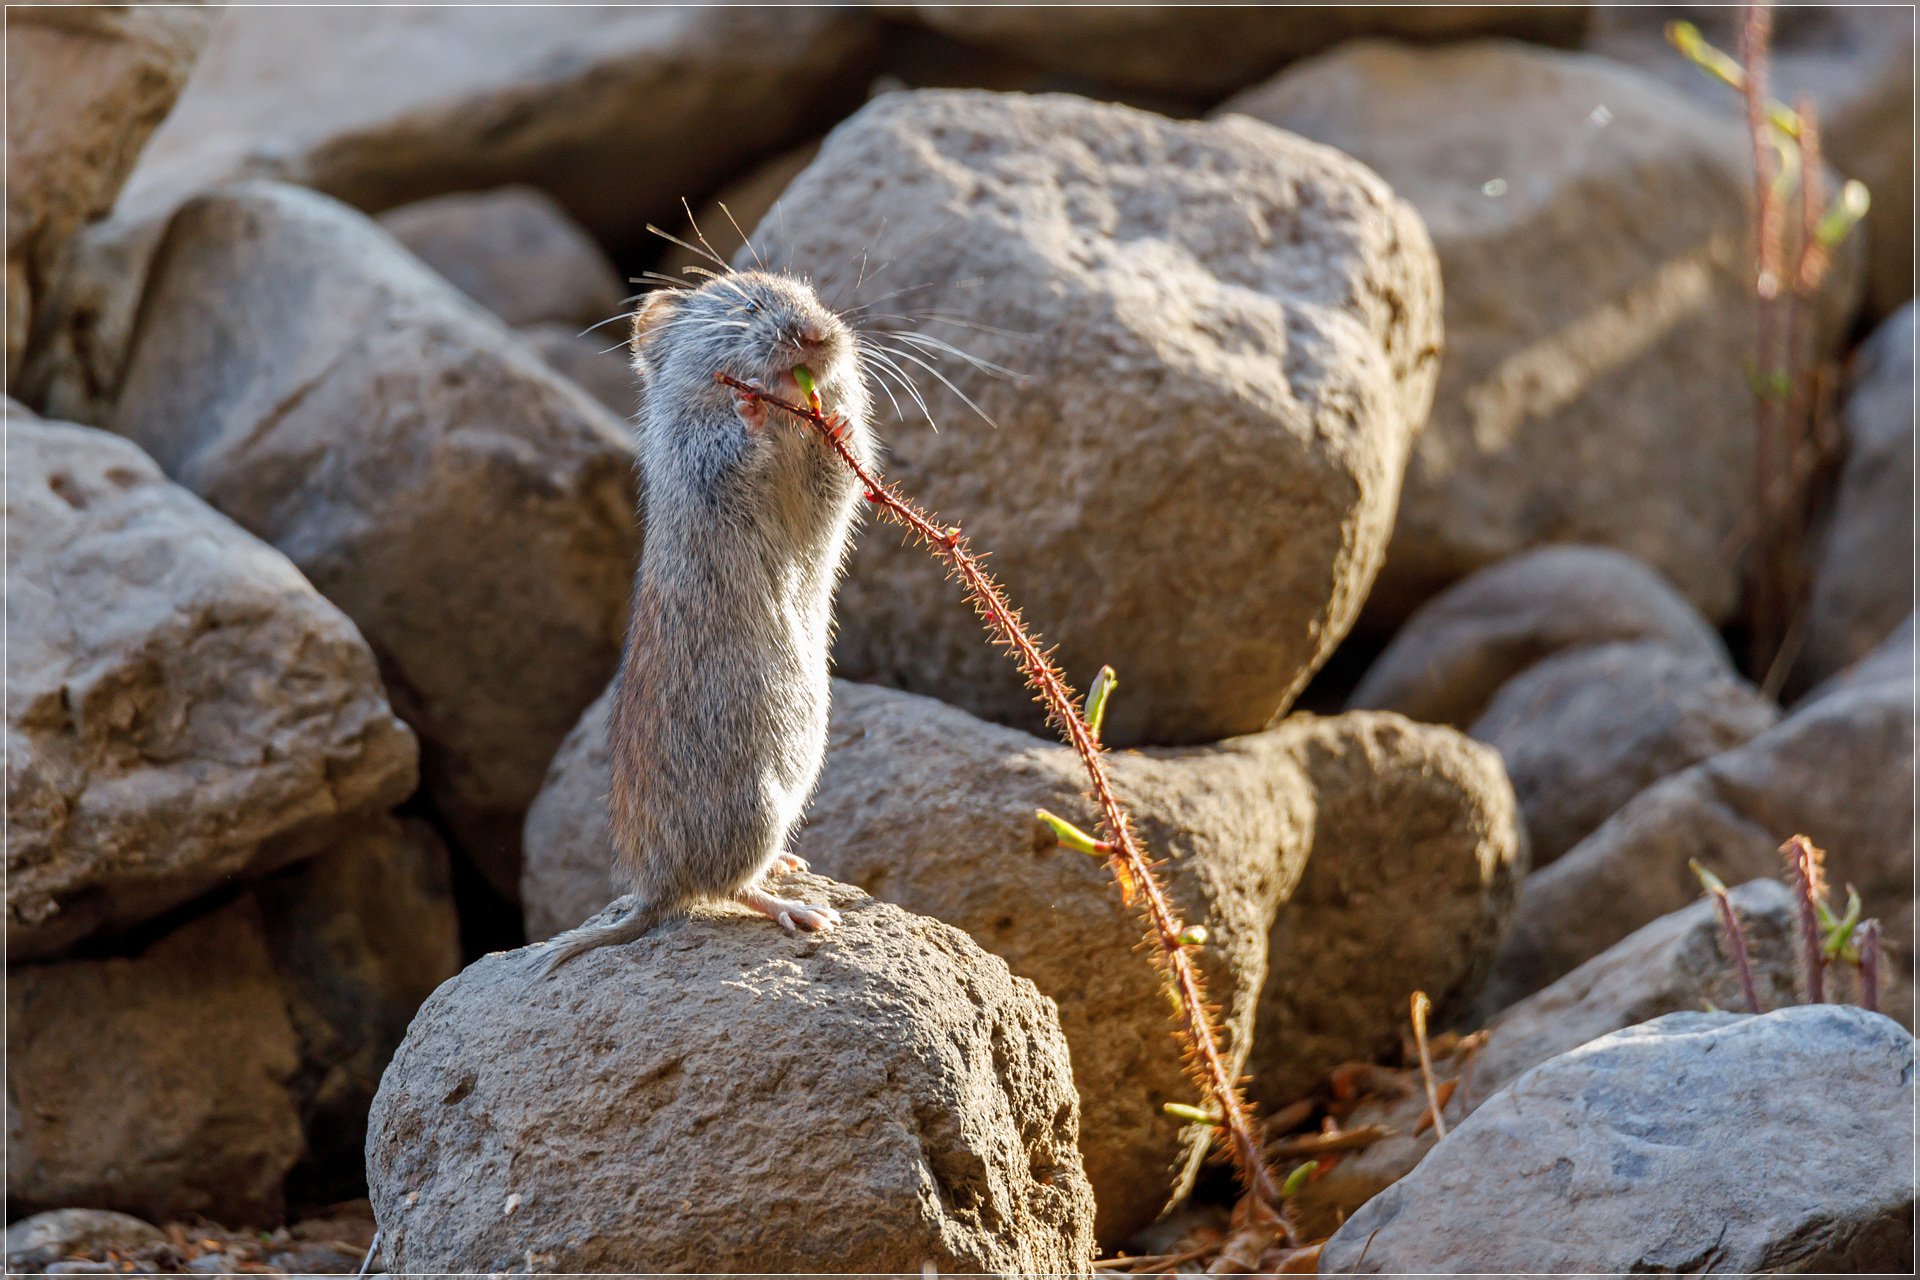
[
  {"x": 1256, "y": 314},
  {"x": 1417, "y": 856},
  {"x": 619, "y": 113},
  {"x": 48, "y": 1237},
  {"x": 1642, "y": 1152},
  {"x": 1863, "y": 572},
  {"x": 184, "y": 709},
  {"x": 85, "y": 89},
  {"x": 1854, "y": 61},
  {"x": 470, "y": 510},
  {"x": 890, "y": 1095},
  {"x": 1594, "y": 386},
  {"x": 514, "y": 251},
  {"x": 1454, "y": 653},
  {"x": 1586, "y": 730},
  {"x": 159, "y": 1084},
  {"x": 1208, "y": 50},
  {"x": 1838, "y": 770}
]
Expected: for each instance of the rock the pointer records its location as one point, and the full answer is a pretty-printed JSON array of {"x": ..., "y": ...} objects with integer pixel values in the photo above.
[
  {"x": 86, "y": 88},
  {"x": 617, "y": 113},
  {"x": 1456, "y": 651},
  {"x": 931, "y": 808},
  {"x": 1854, "y": 61},
  {"x": 1587, "y": 730},
  {"x": 1891, "y": 662},
  {"x": 1127, "y": 266},
  {"x": 722, "y": 222},
  {"x": 1204, "y": 51},
  {"x": 1403, "y": 813},
  {"x": 1864, "y": 567},
  {"x": 1642, "y": 1152},
  {"x": 1839, "y": 770},
  {"x": 596, "y": 362},
  {"x": 514, "y": 251},
  {"x": 359, "y": 938},
  {"x": 890, "y": 1097},
  {"x": 184, "y": 710},
  {"x": 927, "y": 807},
  {"x": 33, "y": 1243},
  {"x": 1594, "y": 387},
  {"x": 471, "y": 511},
  {"x": 159, "y": 1084}
]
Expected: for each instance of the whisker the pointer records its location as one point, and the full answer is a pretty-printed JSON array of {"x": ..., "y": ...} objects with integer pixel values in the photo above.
[
  {"x": 744, "y": 239},
  {"x": 925, "y": 343},
  {"x": 882, "y": 360},
  {"x": 690, "y": 248},
  {"x": 948, "y": 383},
  {"x": 701, "y": 236}
]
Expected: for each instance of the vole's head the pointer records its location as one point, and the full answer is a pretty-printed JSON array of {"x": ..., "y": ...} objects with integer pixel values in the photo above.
[{"x": 754, "y": 325}]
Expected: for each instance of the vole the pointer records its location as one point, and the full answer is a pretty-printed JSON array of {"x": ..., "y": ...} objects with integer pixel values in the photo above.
[{"x": 719, "y": 719}]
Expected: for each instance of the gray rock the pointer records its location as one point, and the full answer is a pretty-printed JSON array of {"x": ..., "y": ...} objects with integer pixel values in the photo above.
[
  {"x": 1585, "y": 731},
  {"x": 1594, "y": 387},
  {"x": 85, "y": 88},
  {"x": 514, "y": 251},
  {"x": 1891, "y": 662},
  {"x": 45, "y": 1238},
  {"x": 1854, "y": 61},
  {"x": 1402, "y": 814},
  {"x": 1452, "y": 655},
  {"x": 184, "y": 710},
  {"x": 1695, "y": 1143},
  {"x": 1863, "y": 572},
  {"x": 159, "y": 1084},
  {"x": 1838, "y": 770},
  {"x": 720, "y": 1096},
  {"x": 595, "y": 361},
  {"x": 471, "y": 511},
  {"x": 1209, "y": 50},
  {"x": 1127, "y": 267},
  {"x": 619, "y": 113}
]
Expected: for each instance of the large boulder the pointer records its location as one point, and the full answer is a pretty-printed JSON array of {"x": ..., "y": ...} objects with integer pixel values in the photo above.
[
  {"x": 1207, "y": 50},
  {"x": 86, "y": 86},
  {"x": 184, "y": 709},
  {"x": 721, "y": 1096},
  {"x": 1839, "y": 770},
  {"x": 931, "y": 808},
  {"x": 1460, "y": 647},
  {"x": 1594, "y": 387},
  {"x": 1863, "y": 571},
  {"x": 1587, "y": 730},
  {"x": 1856, "y": 62},
  {"x": 1695, "y": 1143},
  {"x": 469, "y": 509},
  {"x": 159, "y": 1084},
  {"x": 618, "y": 112},
  {"x": 1417, "y": 856},
  {"x": 514, "y": 251},
  {"x": 1225, "y": 339}
]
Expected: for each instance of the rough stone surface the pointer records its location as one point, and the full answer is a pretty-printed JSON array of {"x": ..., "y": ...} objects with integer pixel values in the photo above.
[
  {"x": 721, "y": 1096},
  {"x": 514, "y": 251},
  {"x": 1856, "y": 63},
  {"x": 184, "y": 709},
  {"x": 1838, "y": 770},
  {"x": 1594, "y": 386},
  {"x": 159, "y": 1084},
  {"x": 33, "y": 1243},
  {"x": 1205, "y": 51},
  {"x": 1643, "y": 1151},
  {"x": 1891, "y": 662},
  {"x": 471, "y": 511},
  {"x": 595, "y": 362},
  {"x": 619, "y": 113},
  {"x": 85, "y": 89},
  {"x": 1255, "y": 314},
  {"x": 1587, "y": 730},
  {"x": 1452, "y": 655},
  {"x": 1417, "y": 856},
  {"x": 1863, "y": 576}
]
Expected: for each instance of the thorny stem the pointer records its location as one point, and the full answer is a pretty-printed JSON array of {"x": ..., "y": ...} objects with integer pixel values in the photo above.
[
  {"x": 1199, "y": 1039},
  {"x": 1737, "y": 948},
  {"x": 1808, "y": 882}
]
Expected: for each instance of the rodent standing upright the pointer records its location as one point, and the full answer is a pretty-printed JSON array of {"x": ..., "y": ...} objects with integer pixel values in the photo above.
[{"x": 719, "y": 720}]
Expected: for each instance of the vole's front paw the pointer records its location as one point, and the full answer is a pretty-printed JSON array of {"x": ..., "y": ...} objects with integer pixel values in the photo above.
[
  {"x": 752, "y": 411},
  {"x": 785, "y": 864}
]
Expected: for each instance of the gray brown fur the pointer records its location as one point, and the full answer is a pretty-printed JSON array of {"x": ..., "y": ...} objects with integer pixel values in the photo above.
[{"x": 719, "y": 715}]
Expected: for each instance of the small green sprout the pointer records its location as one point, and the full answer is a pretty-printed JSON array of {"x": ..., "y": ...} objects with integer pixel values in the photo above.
[
  {"x": 1193, "y": 1115},
  {"x": 1097, "y": 696},
  {"x": 1073, "y": 837},
  {"x": 1297, "y": 1179}
]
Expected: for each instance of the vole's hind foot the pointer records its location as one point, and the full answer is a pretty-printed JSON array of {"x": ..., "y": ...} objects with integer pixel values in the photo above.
[
  {"x": 789, "y": 915},
  {"x": 785, "y": 864}
]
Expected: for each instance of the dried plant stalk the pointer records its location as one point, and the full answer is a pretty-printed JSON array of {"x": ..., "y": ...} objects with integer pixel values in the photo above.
[
  {"x": 1169, "y": 940},
  {"x": 1736, "y": 935},
  {"x": 1806, "y": 876}
]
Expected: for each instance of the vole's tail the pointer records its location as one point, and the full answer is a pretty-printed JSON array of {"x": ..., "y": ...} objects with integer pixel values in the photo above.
[{"x": 578, "y": 942}]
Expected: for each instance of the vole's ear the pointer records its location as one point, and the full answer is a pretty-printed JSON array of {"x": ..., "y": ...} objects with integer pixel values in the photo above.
[{"x": 654, "y": 309}]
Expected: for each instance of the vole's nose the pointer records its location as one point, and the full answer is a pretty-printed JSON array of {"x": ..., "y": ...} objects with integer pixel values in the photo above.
[{"x": 810, "y": 334}]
